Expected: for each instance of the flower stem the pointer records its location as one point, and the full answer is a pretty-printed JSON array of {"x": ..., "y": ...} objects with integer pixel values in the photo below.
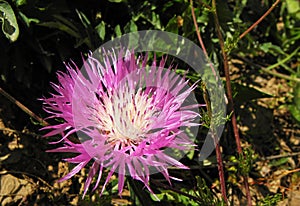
[
  {"x": 30, "y": 113},
  {"x": 229, "y": 95},
  {"x": 260, "y": 19},
  {"x": 267, "y": 70},
  {"x": 218, "y": 151},
  {"x": 23, "y": 107}
]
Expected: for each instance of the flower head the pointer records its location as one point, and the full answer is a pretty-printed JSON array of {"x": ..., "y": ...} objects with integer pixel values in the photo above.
[{"x": 128, "y": 116}]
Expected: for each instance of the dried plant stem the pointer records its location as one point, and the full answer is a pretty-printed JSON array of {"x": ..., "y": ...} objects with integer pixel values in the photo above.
[
  {"x": 218, "y": 150},
  {"x": 31, "y": 114},
  {"x": 260, "y": 19},
  {"x": 281, "y": 156},
  {"x": 30, "y": 175},
  {"x": 267, "y": 70},
  {"x": 229, "y": 95},
  {"x": 23, "y": 107}
]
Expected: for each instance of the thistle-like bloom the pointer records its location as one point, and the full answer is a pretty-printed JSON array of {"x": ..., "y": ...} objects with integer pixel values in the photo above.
[{"x": 128, "y": 116}]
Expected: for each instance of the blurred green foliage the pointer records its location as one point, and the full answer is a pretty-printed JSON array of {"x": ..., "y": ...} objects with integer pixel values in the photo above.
[
  {"x": 271, "y": 200},
  {"x": 54, "y": 31}
]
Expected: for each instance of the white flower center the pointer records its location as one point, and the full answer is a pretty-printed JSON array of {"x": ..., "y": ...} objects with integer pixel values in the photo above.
[{"x": 126, "y": 115}]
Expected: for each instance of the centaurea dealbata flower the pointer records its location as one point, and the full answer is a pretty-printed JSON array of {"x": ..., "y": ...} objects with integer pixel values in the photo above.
[{"x": 128, "y": 116}]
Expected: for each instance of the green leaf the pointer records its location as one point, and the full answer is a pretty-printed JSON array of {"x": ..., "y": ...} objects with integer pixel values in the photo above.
[
  {"x": 281, "y": 161},
  {"x": 172, "y": 25},
  {"x": 295, "y": 111},
  {"x": 84, "y": 20},
  {"x": 156, "y": 21},
  {"x": 28, "y": 20},
  {"x": 10, "y": 26},
  {"x": 100, "y": 28},
  {"x": 293, "y": 7},
  {"x": 297, "y": 96},
  {"x": 130, "y": 27},
  {"x": 270, "y": 47},
  {"x": 65, "y": 21},
  {"x": 62, "y": 27},
  {"x": 295, "y": 107},
  {"x": 19, "y": 2},
  {"x": 133, "y": 38},
  {"x": 245, "y": 93},
  {"x": 117, "y": 1},
  {"x": 271, "y": 200},
  {"x": 118, "y": 30},
  {"x": 191, "y": 154},
  {"x": 231, "y": 41}
]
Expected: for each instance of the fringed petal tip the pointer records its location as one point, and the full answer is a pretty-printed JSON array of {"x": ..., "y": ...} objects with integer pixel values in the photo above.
[{"x": 57, "y": 142}]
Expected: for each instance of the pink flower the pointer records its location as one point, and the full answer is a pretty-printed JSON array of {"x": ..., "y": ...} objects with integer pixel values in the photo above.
[{"x": 129, "y": 117}]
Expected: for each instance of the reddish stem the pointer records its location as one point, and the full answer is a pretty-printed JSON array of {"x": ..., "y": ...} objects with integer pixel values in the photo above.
[
  {"x": 260, "y": 19},
  {"x": 218, "y": 151},
  {"x": 197, "y": 29},
  {"x": 220, "y": 169},
  {"x": 230, "y": 97}
]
